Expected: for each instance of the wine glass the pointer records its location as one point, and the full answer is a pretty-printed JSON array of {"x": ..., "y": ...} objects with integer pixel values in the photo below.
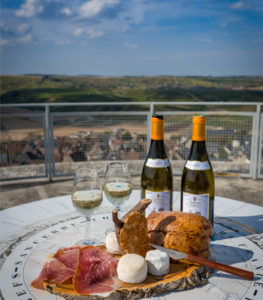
[
  {"x": 117, "y": 185},
  {"x": 86, "y": 198}
]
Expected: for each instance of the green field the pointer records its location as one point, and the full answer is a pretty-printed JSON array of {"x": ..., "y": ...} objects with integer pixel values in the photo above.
[{"x": 55, "y": 89}]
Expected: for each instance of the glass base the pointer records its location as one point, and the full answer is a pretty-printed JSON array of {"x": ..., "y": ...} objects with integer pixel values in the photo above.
[{"x": 89, "y": 242}]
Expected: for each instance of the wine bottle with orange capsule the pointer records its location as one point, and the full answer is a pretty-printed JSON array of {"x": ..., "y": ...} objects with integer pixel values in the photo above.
[
  {"x": 197, "y": 185},
  {"x": 157, "y": 178}
]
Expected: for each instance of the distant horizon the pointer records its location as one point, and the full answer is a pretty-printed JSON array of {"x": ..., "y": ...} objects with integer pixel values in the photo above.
[{"x": 97, "y": 75}]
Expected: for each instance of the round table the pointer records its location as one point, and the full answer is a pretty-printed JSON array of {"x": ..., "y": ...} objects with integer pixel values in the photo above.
[{"x": 31, "y": 231}]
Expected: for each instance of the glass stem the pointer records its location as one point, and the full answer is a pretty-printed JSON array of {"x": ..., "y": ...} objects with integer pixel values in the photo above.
[{"x": 87, "y": 226}]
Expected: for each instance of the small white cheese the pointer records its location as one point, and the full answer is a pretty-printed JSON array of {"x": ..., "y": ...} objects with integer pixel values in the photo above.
[
  {"x": 112, "y": 244},
  {"x": 158, "y": 262},
  {"x": 132, "y": 268}
]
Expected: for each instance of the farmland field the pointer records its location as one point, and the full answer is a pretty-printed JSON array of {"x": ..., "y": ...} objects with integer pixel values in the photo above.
[{"x": 56, "y": 89}]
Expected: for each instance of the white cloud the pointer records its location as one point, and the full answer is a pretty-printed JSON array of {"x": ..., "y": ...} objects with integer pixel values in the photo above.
[
  {"x": 25, "y": 39},
  {"x": 129, "y": 45},
  {"x": 29, "y": 9},
  {"x": 62, "y": 43},
  {"x": 23, "y": 27},
  {"x": 4, "y": 42},
  {"x": 125, "y": 28},
  {"x": 94, "y": 33},
  {"x": 229, "y": 20},
  {"x": 76, "y": 18},
  {"x": 78, "y": 31},
  {"x": 66, "y": 11},
  {"x": 240, "y": 5},
  {"x": 91, "y": 32},
  {"x": 94, "y": 7}
]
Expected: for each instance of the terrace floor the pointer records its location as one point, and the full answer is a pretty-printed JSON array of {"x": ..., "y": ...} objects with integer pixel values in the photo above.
[{"x": 20, "y": 192}]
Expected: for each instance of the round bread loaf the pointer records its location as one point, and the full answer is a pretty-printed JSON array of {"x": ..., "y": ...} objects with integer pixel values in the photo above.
[
  {"x": 185, "y": 232},
  {"x": 180, "y": 222}
]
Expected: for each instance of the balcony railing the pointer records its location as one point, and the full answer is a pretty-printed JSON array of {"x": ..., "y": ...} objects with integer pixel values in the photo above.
[{"x": 53, "y": 139}]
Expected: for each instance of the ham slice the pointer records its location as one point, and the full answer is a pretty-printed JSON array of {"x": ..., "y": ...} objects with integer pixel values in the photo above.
[
  {"x": 53, "y": 271},
  {"x": 90, "y": 269},
  {"x": 68, "y": 256},
  {"x": 96, "y": 272}
]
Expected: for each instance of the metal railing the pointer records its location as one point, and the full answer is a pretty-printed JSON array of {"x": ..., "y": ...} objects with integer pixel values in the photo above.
[{"x": 37, "y": 140}]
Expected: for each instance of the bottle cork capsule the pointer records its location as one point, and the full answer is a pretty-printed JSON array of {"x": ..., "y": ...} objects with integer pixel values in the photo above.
[
  {"x": 157, "y": 128},
  {"x": 198, "y": 128}
]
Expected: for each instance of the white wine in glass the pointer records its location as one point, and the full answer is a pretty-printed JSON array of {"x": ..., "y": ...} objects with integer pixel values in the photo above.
[
  {"x": 117, "y": 185},
  {"x": 86, "y": 197}
]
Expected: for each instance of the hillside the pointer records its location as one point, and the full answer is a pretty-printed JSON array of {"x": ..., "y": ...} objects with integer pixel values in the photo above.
[{"x": 55, "y": 89}]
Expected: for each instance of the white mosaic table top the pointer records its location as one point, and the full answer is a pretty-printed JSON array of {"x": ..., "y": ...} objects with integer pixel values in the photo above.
[{"x": 31, "y": 231}]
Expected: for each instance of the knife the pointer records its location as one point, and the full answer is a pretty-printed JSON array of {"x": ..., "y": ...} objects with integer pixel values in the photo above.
[{"x": 206, "y": 262}]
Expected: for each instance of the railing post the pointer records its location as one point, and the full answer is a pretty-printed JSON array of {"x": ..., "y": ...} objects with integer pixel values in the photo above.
[
  {"x": 48, "y": 142},
  {"x": 149, "y": 124},
  {"x": 256, "y": 170},
  {"x": 255, "y": 144}
]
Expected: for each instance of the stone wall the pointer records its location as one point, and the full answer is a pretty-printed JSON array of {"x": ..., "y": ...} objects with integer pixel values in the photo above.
[{"x": 135, "y": 167}]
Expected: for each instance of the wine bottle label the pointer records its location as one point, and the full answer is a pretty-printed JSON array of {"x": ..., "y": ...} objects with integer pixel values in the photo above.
[
  {"x": 160, "y": 201},
  {"x": 197, "y": 165},
  {"x": 157, "y": 163},
  {"x": 196, "y": 204}
]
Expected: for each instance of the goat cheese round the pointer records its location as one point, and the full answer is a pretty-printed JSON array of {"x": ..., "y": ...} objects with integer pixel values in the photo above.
[
  {"x": 158, "y": 262},
  {"x": 111, "y": 242},
  {"x": 132, "y": 268}
]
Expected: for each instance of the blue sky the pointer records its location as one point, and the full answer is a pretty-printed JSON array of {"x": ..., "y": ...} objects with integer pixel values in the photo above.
[{"x": 132, "y": 37}]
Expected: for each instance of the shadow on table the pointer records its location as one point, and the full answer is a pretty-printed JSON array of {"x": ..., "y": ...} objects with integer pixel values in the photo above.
[
  {"x": 228, "y": 255},
  {"x": 230, "y": 227}
]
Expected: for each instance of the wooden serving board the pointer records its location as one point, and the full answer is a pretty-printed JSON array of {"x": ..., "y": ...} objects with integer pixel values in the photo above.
[{"x": 182, "y": 275}]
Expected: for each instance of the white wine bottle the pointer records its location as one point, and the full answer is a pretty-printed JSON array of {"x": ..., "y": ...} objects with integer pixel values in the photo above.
[
  {"x": 197, "y": 185},
  {"x": 157, "y": 178}
]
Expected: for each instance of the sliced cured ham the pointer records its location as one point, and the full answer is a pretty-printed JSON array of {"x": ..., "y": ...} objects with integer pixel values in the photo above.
[
  {"x": 68, "y": 256},
  {"x": 53, "y": 271},
  {"x": 96, "y": 272},
  {"x": 86, "y": 270}
]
